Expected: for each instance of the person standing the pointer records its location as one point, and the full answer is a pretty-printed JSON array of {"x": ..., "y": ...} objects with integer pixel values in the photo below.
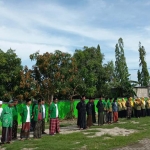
[
  {"x": 115, "y": 110},
  {"x": 109, "y": 111},
  {"x": 93, "y": 112},
  {"x": 119, "y": 109},
  {"x": 37, "y": 117},
  {"x": 1, "y": 109},
  {"x": 26, "y": 115},
  {"x": 143, "y": 107},
  {"x": 105, "y": 110},
  {"x": 89, "y": 113},
  {"x": 129, "y": 109},
  {"x": 54, "y": 114},
  {"x": 7, "y": 121},
  {"x": 124, "y": 108},
  {"x": 138, "y": 107},
  {"x": 15, "y": 120},
  {"x": 148, "y": 107},
  {"x": 43, "y": 116},
  {"x": 100, "y": 108},
  {"x": 81, "y": 107}
]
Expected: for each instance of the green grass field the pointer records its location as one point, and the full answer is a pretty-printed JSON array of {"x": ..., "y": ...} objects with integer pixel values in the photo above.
[{"x": 80, "y": 141}]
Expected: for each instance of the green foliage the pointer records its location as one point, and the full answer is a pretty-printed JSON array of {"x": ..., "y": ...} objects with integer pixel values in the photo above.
[
  {"x": 143, "y": 75},
  {"x": 94, "y": 75},
  {"x": 121, "y": 76},
  {"x": 10, "y": 67}
]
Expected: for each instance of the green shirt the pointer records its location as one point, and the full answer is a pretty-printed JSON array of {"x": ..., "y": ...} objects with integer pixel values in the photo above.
[
  {"x": 15, "y": 113},
  {"x": 6, "y": 117},
  {"x": 36, "y": 111},
  {"x": 25, "y": 112},
  {"x": 109, "y": 106},
  {"x": 52, "y": 110},
  {"x": 105, "y": 105}
]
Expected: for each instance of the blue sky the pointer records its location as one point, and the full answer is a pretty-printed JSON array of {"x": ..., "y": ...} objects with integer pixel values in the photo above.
[{"x": 49, "y": 25}]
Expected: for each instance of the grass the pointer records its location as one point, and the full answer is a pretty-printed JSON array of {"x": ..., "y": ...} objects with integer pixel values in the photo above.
[{"x": 80, "y": 141}]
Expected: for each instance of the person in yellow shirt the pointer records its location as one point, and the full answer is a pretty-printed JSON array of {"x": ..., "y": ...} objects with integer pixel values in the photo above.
[
  {"x": 143, "y": 107},
  {"x": 148, "y": 107},
  {"x": 124, "y": 108},
  {"x": 119, "y": 109},
  {"x": 132, "y": 106}
]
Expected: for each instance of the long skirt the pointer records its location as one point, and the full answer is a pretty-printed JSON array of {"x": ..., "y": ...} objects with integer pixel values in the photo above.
[
  {"x": 43, "y": 125},
  {"x": 115, "y": 116},
  {"x": 89, "y": 120},
  {"x": 82, "y": 121},
  {"x": 100, "y": 118},
  {"x": 25, "y": 130},
  {"x": 54, "y": 126},
  {"x": 38, "y": 129},
  {"x": 6, "y": 134},
  {"x": 129, "y": 111},
  {"x": 14, "y": 129}
]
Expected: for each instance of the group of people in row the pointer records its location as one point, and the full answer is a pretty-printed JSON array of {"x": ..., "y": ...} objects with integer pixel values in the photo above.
[
  {"x": 109, "y": 110},
  {"x": 31, "y": 115}
]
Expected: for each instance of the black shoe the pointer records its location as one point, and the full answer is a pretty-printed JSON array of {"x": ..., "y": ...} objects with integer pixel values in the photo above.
[{"x": 44, "y": 133}]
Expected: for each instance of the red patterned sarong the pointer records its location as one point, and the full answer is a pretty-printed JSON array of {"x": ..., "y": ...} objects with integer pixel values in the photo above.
[
  {"x": 26, "y": 126},
  {"x": 54, "y": 126}
]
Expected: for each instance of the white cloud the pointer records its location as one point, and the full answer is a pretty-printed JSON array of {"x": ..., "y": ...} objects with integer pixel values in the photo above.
[{"x": 49, "y": 26}]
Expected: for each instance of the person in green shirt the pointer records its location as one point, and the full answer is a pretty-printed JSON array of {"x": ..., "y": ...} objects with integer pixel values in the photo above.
[
  {"x": 26, "y": 115},
  {"x": 15, "y": 119},
  {"x": 7, "y": 120},
  {"x": 105, "y": 110},
  {"x": 53, "y": 114},
  {"x": 37, "y": 117}
]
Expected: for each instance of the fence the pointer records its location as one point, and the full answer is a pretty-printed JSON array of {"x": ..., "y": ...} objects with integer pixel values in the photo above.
[{"x": 64, "y": 108}]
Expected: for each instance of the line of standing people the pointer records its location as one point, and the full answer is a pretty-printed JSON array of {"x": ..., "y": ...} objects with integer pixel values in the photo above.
[{"x": 37, "y": 113}]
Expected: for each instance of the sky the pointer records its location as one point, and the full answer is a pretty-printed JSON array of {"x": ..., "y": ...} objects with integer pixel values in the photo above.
[{"x": 49, "y": 25}]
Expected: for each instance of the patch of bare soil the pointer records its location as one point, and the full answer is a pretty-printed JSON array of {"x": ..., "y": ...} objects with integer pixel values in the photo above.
[{"x": 113, "y": 132}]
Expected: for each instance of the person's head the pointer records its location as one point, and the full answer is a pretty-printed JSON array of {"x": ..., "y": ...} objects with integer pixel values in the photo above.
[
  {"x": 115, "y": 100},
  {"x": 1, "y": 103},
  {"x": 11, "y": 103},
  {"x": 39, "y": 102},
  {"x": 83, "y": 97},
  {"x": 100, "y": 98},
  {"x": 15, "y": 101},
  {"x": 110, "y": 99},
  {"x": 28, "y": 101},
  {"x": 90, "y": 100},
  {"x": 93, "y": 100},
  {"x": 43, "y": 101},
  {"x": 55, "y": 100}
]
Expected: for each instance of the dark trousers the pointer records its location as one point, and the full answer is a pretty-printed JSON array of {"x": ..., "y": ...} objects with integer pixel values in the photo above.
[
  {"x": 43, "y": 125},
  {"x": 14, "y": 129},
  {"x": 6, "y": 134},
  {"x": 148, "y": 112},
  {"x": 109, "y": 117},
  {"x": 143, "y": 111},
  {"x": 138, "y": 113}
]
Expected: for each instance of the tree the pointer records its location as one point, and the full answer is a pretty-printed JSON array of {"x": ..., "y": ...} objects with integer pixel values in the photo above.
[
  {"x": 29, "y": 87},
  {"x": 143, "y": 75},
  {"x": 10, "y": 67},
  {"x": 121, "y": 74},
  {"x": 89, "y": 63}
]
